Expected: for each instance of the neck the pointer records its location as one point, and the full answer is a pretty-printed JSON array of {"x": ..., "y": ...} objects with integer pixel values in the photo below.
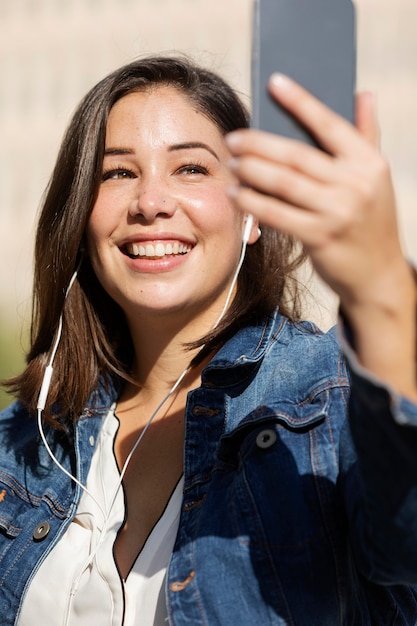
[
  {"x": 165, "y": 377},
  {"x": 161, "y": 354}
]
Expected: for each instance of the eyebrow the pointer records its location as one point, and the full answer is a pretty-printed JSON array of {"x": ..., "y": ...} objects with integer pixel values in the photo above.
[
  {"x": 192, "y": 145},
  {"x": 189, "y": 145},
  {"x": 117, "y": 151}
]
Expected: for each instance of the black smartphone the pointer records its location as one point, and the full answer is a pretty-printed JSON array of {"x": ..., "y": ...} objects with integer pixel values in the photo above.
[{"x": 311, "y": 41}]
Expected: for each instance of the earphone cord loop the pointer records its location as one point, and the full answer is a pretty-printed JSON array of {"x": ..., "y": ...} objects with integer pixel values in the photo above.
[
  {"x": 176, "y": 384},
  {"x": 42, "y": 402}
]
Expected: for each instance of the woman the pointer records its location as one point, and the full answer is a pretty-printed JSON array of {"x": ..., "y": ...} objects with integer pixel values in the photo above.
[{"x": 192, "y": 459}]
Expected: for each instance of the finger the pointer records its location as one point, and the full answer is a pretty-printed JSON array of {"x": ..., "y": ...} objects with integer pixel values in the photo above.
[
  {"x": 281, "y": 182},
  {"x": 304, "y": 225},
  {"x": 366, "y": 118},
  {"x": 315, "y": 231},
  {"x": 280, "y": 150},
  {"x": 333, "y": 133}
]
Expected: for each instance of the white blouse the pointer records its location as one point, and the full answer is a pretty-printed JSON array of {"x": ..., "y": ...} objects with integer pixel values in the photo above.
[{"x": 78, "y": 584}]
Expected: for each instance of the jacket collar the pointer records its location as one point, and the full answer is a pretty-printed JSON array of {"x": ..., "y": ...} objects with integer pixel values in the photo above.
[
  {"x": 244, "y": 351},
  {"x": 102, "y": 398}
]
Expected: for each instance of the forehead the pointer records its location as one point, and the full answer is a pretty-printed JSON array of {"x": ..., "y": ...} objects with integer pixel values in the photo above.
[{"x": 161, "y": 111}]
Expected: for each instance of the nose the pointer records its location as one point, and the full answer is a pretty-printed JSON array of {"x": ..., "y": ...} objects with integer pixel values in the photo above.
[{"x": 152, "y": 200}]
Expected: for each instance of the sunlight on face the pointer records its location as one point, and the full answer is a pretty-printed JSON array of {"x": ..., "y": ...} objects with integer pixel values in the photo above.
[{"x": 163, "y": 235}]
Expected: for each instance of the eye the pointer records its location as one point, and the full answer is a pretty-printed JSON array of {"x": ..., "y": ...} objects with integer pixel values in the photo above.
[
  {"x": 118, "y": 173},
  {"x": 193, "y": 169}
]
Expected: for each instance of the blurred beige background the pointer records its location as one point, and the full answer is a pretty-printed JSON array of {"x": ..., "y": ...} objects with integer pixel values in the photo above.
[{"x": 52, "y": 51}]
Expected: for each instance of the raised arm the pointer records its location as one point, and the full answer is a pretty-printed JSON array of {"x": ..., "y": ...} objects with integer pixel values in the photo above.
[{"x": 340, "y": 203}]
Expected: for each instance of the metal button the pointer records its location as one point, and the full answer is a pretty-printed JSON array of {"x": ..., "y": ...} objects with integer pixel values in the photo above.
[
  {"x": 41, "y": 531},
  {"x": 92, "y": 440},
  {"x": 266, "y": 438}
]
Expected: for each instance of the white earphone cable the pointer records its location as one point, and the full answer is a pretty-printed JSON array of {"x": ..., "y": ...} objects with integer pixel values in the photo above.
[{"x": 44, "y": 394}]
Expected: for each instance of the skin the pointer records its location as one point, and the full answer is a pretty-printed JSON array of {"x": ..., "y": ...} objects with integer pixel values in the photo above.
[
  {"x": 155, "y": 190},
  {"x": 340, "y": 204},
  {"x": 165, "y": 180}
]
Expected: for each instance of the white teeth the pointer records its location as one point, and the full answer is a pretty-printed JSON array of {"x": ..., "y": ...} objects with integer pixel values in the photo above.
[
  {"x": 158, "y": 250},
  {"x": 150, "y": 250}
]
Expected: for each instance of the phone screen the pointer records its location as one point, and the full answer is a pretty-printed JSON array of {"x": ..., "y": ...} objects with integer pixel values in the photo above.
[{"x": 311, "y": 41}]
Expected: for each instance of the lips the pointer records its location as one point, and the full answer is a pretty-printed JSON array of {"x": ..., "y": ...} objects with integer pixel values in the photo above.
[{"x": 156, "y": 250}]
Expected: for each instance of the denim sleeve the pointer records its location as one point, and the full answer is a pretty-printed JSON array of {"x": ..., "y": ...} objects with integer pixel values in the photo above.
[{"x": 379, "y": 454}]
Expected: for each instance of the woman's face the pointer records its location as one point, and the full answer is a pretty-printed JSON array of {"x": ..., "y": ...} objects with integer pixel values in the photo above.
[{"x": 163, "y": 236}]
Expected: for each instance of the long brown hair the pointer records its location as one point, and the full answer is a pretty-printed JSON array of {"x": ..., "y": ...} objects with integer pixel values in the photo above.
[{"x": 95, "y": 339}]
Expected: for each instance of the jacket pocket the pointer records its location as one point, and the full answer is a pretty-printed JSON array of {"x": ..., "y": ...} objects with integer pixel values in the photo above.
[
  {"x": 286, "y": 419},
  {"x": 15, "y": 503},
  {"x": 278, "y": 474}
]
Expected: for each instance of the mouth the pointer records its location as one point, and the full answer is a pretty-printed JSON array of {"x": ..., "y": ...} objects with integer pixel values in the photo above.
[{"x": 156, "y": 250}]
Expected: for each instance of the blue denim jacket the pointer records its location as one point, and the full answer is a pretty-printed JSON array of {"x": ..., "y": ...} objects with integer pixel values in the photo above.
[{"x": 277, "y": 525}]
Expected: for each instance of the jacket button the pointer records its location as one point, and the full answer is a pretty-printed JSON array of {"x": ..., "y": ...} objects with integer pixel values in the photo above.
[
  {"x": 266, "y": 438},
  {"x": 41, "y": 531}
]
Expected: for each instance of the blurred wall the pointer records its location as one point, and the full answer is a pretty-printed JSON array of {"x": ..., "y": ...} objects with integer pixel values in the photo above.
[{"x": 52, "y": 51}]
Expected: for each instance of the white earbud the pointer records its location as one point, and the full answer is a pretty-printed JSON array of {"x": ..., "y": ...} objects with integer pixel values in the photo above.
[
  {"x": 247, "y": 229},
  {"x": 43, "y": 394},
  {"x": 42, "y": 402}
]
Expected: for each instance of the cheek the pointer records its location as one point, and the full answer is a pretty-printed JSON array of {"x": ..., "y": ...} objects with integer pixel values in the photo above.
[
  {"x": 96, "y": 236},
  {"x": 216, "y": 213},
  {"x": 101, "y": 221}
]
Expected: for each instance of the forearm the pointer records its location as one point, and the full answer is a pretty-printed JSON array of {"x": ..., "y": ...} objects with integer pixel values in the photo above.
[{"x": 383, "y": 332}]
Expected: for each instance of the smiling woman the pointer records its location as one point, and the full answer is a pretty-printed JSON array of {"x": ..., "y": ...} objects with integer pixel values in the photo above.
[
  {"x": 165, "y": 186},
  {"x": 81, "y": 176},
  {"x": 200, "y": 455}
]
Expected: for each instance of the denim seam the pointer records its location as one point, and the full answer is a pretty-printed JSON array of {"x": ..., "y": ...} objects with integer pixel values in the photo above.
[
  {"x": 318, "y": 471},
  {"x": 196, "y": 591},
  {"x": 18, "y": 556},
  {"x": 267, "y": 545}
]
